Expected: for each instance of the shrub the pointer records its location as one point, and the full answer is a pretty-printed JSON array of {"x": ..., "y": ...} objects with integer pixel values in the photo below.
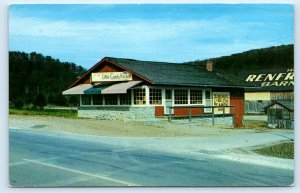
[{"x": 40, "y": 101}]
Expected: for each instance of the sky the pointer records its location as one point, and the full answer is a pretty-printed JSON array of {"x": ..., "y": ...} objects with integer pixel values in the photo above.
[{"x": 84, "y": 34}]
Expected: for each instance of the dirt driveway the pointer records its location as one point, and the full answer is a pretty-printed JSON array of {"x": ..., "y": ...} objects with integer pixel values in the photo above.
[{"x": 117, "y": 128}]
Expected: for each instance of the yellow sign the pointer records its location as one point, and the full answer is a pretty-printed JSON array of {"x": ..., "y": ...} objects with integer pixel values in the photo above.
[
  {"x": 111, "y": 76},
  {"x": 221, "y": 99}
]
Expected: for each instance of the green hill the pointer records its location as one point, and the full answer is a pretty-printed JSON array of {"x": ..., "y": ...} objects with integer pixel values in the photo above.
[
  {"x": 264, "y": 58},
  {"x": 31, "y": 74}
]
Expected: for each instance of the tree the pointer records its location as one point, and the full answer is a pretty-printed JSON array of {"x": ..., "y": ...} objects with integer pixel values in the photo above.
[
  {"x": 60, "y": 100},
  {"x": 40, "y": 101},
  {"x": 51, "y": 99},
  {"x": 73, "y": 100},
  {"x": 18, "y": 103}
]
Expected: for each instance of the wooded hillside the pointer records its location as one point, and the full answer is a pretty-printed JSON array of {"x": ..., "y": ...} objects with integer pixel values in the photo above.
[
  {"x": 265, "y": 58},
  {"x": 33, "y": 74}
]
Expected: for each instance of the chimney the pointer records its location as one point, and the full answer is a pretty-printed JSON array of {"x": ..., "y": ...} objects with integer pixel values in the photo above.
[{"x": 209, "y": 66}]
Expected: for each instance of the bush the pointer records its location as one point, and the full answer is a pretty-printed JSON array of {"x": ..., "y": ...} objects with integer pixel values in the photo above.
[
  {"x": 51, "y": 99},
  {"x": 18, "y": 103},
  {"x": 40, "y": 101},
  {"x": 60, "y": 100},
  {"x": 73, "y": 100}
]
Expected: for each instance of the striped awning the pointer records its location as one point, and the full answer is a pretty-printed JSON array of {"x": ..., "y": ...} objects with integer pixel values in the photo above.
[
  {"x": 79, "y": 89},
  {"x": 118, "y": 88}
]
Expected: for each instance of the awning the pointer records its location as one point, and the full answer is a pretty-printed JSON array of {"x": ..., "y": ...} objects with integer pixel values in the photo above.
[
  {"x": 119, "y": 88},
  {"x": 79, "y": 89},
  {"x": 96, "y": 89}
]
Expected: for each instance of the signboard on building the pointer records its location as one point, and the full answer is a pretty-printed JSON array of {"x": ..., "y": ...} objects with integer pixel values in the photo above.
[
  {"x": 221, "y": 99},
  {"x": 278, "y": 79},
  {"x": 110, "y": 76}
]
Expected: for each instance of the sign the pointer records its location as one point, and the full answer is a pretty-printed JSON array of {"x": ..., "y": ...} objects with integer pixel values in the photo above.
[
  {"x": 280, "y": 79},
  {"x": 110, "y": 76},
  {"x": 221, "y": 99}
]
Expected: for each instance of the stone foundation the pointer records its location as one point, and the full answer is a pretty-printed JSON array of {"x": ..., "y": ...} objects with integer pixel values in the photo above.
[{"x": 116, "y": 113}]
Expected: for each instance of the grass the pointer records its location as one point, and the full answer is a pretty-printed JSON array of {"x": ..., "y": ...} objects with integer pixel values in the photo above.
[
  {"x": 282, "y": 150},
  {"x": 255, "y": 124},
  {"x": 45, "y": 112}
]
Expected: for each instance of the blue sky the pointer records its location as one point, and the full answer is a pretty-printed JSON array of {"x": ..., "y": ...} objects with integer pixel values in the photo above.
[{"x": 84, "y": 34}]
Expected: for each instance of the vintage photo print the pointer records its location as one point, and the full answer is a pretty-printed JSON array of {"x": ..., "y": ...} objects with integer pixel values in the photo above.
[{"x": 151, "y": 95}]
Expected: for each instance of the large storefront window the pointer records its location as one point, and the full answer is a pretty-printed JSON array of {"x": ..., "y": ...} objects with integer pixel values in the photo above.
[
  {"x": 125, "y": 99},
  {"x": 155, "y": 96},
  {"x": 196, "y": 96},
  {"x": 111, "y": 99},
  {"x": 97, "y": 100},
  {"x": 180, "y": 97},
  {"x": 86, "y": 99},
  {"x": 139, "y": 96}
]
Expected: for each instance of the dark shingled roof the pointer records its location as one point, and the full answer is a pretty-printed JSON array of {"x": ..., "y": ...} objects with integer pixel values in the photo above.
[
  {"x": 288, "y": 104},
  {"x": 163, "y": 73}
]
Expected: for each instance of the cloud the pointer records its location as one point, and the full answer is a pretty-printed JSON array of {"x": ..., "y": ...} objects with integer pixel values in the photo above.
[{"x": 165, "y": 40}]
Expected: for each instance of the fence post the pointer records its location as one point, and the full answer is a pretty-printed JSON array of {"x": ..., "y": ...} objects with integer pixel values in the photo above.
[
  {"x": 190, "y": 114},
  {"x": 170, "y": 119},
  {"x": 213, "y": 115},
  {"x": 223, "y": 111},
  {"x": 233, "y": 116}
]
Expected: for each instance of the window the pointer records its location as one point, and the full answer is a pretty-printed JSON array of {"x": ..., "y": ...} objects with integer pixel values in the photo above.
[
  {"x": 168, "y": 94},
  {"x": 111, "y": 99},
  {"x": 155, "y": 96},
  {"x": 139, "y": 96},
  {"x": 181, "y": 96},
  {"x": 125, "y": 99},
  {"x": 207, "y": 94},
  {"x": 86, "y": 99},
  {"x": 97, "y": 99},
  {"x": 196, "y": 96}
]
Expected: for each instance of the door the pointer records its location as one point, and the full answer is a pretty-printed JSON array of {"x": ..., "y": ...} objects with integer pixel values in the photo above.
[
  {"x": 168, "y": 101},
  {"x": 208, "y": 101}
]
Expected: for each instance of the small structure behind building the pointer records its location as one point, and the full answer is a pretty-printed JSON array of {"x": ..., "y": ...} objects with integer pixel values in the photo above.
[{"x": 280, "y": 114}]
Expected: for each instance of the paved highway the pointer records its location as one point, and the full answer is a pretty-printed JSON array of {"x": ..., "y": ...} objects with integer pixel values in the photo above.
[{"x": 47, "y": 159}]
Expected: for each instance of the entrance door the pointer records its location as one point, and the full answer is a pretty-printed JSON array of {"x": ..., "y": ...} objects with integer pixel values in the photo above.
[
  {"x": 168, "y": 101},
  {"x": 208, "y": 101}
]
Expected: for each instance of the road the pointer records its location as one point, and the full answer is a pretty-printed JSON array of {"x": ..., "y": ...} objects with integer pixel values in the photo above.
[{"x": 47, "y": 159}]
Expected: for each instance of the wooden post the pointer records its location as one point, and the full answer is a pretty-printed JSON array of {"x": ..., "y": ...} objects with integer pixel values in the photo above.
[
  {"x": 223, "y": 111},
  {"x": 233, "y": 116},
  {"x": 170, "y": 111},
  {"x": 213, "y": 115},
  {"x": 190, "y": 114}
]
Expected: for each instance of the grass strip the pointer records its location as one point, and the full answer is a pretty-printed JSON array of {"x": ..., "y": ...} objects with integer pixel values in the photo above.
[
  {"x": 282, "y": 150},
  {"x": 45, "y": 112}
]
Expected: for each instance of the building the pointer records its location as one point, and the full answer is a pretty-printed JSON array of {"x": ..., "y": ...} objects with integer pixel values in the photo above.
[
  {"x": 267, "y": 85},
  {"x": 280, "y": 114},
  {"x": 117, "y": 88}
]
